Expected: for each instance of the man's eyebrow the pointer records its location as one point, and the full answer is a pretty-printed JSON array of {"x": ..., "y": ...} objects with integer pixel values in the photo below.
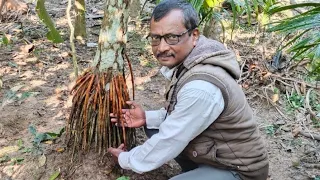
[{"x": 162, "y": 35}]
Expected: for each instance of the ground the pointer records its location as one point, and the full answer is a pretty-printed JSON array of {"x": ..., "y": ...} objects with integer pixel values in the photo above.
[{"x": 37, "y": 75}]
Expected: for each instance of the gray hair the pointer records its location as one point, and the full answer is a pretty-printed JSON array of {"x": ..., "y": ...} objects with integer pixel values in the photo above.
[{"x": 191, "y": 18}]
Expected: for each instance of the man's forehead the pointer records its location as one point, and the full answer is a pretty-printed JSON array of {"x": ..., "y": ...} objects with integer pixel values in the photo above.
[
  {"x": 175, "y": 15},
  {"x": 171, "y": 23}
]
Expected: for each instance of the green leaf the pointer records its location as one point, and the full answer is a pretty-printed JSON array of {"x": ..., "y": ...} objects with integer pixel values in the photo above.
[
  {"x": 20, "y": 143},
  {"x": 61, "y": 131},
  {"x": 53, "y": 34},
  {"x": 248, "y": 10},
  {"x": 54, "y": 175},
  {"x": 5, "y": 40},
  {"x": 210, "y": 3},
  {"x": 317, "y": 53},
  {"x": 25, "y": 95},
  {"x": 283, "y": 8},
  {"x": 4, "y": 159},
  {"x": 295, "y": 39},
  {"x": 123, "y": 178},
  {"x": 235, "y": 15},
  {"x": 12, "y": 64},
  {"x": 26, "y": 150},
  {"x": 32, "y": 130}
]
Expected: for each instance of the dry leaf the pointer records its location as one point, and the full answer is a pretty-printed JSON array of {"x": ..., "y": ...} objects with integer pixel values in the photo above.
[
  {"x": 7, "y": 150},
  {"x": 296, "y": 130},
  {"x": 60, "y": 150},
  {"x": 267, "y": 75},
  {"x": 303, "y": 88},
  {"x": 42, "y": 160},
  {"x": 275, "y": 97},
  {"x": 48, "y": 142}
]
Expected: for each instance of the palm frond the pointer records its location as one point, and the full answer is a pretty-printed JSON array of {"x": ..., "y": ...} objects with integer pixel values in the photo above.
[
  {"x": 306, "y": 30},
  {"x": 293, "y": 6}
]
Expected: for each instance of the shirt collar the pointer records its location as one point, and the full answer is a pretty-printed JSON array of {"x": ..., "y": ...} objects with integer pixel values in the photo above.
[{"x": 167, "y": 72}]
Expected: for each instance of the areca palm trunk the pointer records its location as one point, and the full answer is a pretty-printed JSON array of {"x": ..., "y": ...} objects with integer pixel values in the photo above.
[{"x": 102, "y": 89}]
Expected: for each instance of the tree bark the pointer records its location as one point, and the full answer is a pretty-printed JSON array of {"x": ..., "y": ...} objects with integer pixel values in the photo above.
[
  {"x": 113, "y": 36},
  {"x": 80, "y": 22}
]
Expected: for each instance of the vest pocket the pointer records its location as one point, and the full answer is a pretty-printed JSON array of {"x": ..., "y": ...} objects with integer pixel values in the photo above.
[{"x": 199, "y": 146}]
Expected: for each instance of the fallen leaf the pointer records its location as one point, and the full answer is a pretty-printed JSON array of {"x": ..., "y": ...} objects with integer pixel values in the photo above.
[
  {"x": 8, "y": 150},
  {"x": 48, "y": 142},
  {"x": 267, "y": 75},
  {"x": 16, "y": 88},
  {"x": 60, "y": 150},
  {"x": 42, "y": 160},
  {"x": 27, "y": 48},
  {"x": 54, "y": 175},
  {"x": 296, "y": 130},
  {"x": 275, "y": 98},
  {"x": 303, "y": 88}
]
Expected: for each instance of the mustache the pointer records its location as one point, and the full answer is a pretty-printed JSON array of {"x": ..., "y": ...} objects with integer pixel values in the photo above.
[{"x": 164, "y": 55}]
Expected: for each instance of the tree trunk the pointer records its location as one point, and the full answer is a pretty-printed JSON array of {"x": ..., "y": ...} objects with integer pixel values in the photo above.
[
  {"x": 80, "y": 22},
  {"x": 113, "y": 37},
  {"x": 102, "y": 89}
]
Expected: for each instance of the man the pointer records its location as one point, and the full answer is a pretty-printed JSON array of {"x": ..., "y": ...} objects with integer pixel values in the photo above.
[{"x": 207, "y": 126}]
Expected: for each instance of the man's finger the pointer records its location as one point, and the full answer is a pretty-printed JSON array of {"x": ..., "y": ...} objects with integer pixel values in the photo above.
[
  {"x": 111, "y": 150},
  {"x": 125, "y": 110},
  {"x": 132, "y": 103},
  {"x": 121, "y": 146},
  {"x": 114, "y": 120}
]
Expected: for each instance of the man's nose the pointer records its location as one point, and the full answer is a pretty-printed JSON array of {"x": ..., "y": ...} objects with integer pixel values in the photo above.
[{"x": 163, "y": 46}]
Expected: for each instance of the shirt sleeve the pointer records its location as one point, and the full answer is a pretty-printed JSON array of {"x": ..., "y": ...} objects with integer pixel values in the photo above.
[
  {"x": 199, "y": 103},
  {"x": 155, "y": 118}
]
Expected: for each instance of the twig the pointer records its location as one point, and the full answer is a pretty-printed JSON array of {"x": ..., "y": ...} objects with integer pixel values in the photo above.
[
  {"x": 131, "y": 72},
  {"x": 317, "y": 166},
  {"x": 241, "y": 70},
  {"x": 275, "y": 106},
  {"x": 73, "y": 49},
  {"x": 284, "y": 82},
  {"x": 309, "y": 135},
  {"x": 307, "y": 104},
  {"x": 316, "y": 86}
]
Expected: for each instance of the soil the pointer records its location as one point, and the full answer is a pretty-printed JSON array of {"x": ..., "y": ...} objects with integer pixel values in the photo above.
[{"x": 37, "y": 76}]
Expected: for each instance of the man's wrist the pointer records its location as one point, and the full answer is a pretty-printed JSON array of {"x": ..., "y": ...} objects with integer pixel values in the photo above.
[{"x": 123, "y": 160}]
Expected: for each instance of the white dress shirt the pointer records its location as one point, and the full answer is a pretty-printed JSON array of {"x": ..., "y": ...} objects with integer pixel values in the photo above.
[{"x": 199, "y": 103}]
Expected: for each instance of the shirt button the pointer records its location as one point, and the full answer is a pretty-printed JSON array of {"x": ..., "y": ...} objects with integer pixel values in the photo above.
[{"x": 194, "y": 153}]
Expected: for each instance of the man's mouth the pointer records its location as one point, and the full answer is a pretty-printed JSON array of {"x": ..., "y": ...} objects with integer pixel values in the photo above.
[{"x": 160, "y": 56}]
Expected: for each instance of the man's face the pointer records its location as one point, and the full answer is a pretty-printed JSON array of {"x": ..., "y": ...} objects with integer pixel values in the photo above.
[{"x": 172, "y": 23}]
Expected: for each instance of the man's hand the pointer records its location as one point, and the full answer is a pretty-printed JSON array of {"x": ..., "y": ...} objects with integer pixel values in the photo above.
[
  {"x": 134, "y": 117},
  {"x": 115, "y": 152}
]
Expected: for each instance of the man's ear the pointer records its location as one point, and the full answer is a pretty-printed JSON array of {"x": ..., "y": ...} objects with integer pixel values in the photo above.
[{"x": 195, "y": 36}]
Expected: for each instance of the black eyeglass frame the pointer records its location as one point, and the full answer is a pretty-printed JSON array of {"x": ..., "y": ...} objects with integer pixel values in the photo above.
[{"x": 165, "y": 38}]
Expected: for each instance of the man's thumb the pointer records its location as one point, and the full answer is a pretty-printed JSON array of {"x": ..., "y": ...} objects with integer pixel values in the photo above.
[{"x": 132, "y": 103}]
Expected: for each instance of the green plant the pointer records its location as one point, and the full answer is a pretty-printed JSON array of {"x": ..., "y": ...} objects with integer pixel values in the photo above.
[
  {"x": 17, "y": 160},
  {"x": 53, "y": 34},
  {"x": 304, "y": 28},
  {"x": 270, "y": 129},
  {"x": 40, "y": 137},
  {"x": 4, "y": 40},
  {"x": 4, "y": 159},
  {"x": 296, "y": 101},
  {"x": 123, "y": 178},
  {"x": 213, "y": 9}
]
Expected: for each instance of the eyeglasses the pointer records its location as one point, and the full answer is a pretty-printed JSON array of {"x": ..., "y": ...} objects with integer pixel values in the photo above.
[{"x": 171, "y": 39}]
